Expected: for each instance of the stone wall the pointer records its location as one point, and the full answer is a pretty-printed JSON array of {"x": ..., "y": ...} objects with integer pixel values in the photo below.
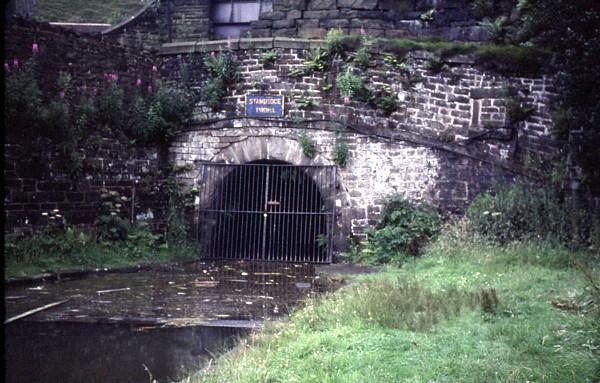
[
  {"x": 85, "y": 57},
  {"x": 449, "y": 139},
  {"x": 37, "y": 182},
  {"x": 188, "y": 20}
]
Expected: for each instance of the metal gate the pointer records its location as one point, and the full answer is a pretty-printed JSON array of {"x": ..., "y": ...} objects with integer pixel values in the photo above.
[{"x": 267, "y": 211}]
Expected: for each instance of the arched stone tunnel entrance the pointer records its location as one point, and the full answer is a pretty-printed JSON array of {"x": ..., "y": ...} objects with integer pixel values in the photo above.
[{"x": 267, "y": 210}]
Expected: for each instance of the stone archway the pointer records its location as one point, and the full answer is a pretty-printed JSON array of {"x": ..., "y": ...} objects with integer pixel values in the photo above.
[
  {"x": 268, "y": 148},
  {"x": 261, "y": 198}
]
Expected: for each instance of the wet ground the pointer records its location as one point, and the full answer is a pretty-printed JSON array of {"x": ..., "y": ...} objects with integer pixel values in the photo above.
[
  {"x": 159, "y": 323},
  {"x": 209, "y": 293}
]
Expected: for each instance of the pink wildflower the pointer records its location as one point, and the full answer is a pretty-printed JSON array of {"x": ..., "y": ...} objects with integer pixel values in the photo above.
[
  {"x": 212, "y": 54},
  {"x": 35, "y": 49},
  {"x": 149, "y": 88},
  {"x": 154, "y": 69},
  {"x": 6, "y": 67},
  {"x": 16, "y": 62},
  {"x": 138, "y": 82},
  {"x": 346, "y": 100},
  {"x": 332, "y": 114},
  {"x": 362, "y": 31},
  {"x": 62, "y": 94}
]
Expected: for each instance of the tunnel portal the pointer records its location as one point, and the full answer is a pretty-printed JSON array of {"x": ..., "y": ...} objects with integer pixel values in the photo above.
[{"x": 267, "y": 210}]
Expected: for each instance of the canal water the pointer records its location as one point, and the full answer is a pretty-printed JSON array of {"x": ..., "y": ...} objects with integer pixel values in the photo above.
[{"x": 153, "y": 324}]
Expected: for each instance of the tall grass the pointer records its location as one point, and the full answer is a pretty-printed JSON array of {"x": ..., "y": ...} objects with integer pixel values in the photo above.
[{"x": 426, "y": 322}]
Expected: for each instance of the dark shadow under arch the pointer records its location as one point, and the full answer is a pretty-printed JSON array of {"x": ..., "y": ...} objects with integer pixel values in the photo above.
[{"x": 269, "y": 210}]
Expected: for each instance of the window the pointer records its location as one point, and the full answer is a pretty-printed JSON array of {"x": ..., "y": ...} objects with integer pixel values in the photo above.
[{"x": 231, "y": 18}]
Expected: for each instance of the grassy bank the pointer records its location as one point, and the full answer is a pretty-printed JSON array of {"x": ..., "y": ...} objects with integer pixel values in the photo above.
[
  {"x": 466, "y": 311},
  {"x": 76, "y": 250},
  {"x": 87, "y": 11}
]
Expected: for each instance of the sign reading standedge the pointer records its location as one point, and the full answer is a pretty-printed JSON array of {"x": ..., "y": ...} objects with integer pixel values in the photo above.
[{"x": 264, "y": 106}]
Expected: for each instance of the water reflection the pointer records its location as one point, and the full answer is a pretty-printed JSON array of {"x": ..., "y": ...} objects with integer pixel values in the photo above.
[{"x": 159, "y": 323}]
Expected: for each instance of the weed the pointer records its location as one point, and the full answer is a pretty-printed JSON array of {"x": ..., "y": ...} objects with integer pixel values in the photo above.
[
  {"x": 305, "y": 103},
  {"x": 308, "y": 148},
  {"x": 297, "y": 72},
  {"x": 224, "y": 72},
  {"x": 316, "y": 60},
  {"x": 269, "y": 58},
  {"x": 526, "y": 212},
  {"x": 353, "y": 87},
  {"x": 341, "y": 153}
]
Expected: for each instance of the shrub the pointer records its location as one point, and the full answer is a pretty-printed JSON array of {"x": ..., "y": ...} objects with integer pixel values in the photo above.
[
  {"x": 111, "y": 226},
  {"x": 22, "y": 101},
  {"x": 338, "y": 44},
  {"x": 521, "y": 212},
  {"x": 402, "y": 231},
  {"x": 224, "y": 72}
]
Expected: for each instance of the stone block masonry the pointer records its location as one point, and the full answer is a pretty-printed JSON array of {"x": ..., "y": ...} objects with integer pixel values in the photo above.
[
  {"x": 171, "y": 21},
  {"x": 448, "y": 140}
]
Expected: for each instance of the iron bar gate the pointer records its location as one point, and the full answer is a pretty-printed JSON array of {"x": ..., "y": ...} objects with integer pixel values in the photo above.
[{"x": 267, "y": 211}]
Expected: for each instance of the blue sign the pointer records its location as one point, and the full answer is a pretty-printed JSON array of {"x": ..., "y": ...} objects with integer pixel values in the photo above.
[{"x": 264, "y": 106}]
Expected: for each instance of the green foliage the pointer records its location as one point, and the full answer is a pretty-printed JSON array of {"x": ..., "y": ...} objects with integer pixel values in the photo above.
[
  {"x": 519, "y": 213},
  {"x": 297, "y": 72},
  {"x": 428, "y": 16},
  {"x": 269, "y": 58},
  {"x": 517, "y": 110},
  {"x": 402, "y": 231},
  {"x": 169, "y": 109},
  {"x": 316, "y": 60},
  {"x": 574, "y": 43},
  {"x": 362, "y": 57},
  {"x": 87, "y": 11},
  {"x": 511, "y": 60},
  {"x": 437, "y": 66},
  {"x": 22, "y": 101},
  {"x": 387, "y": 101},
  {"x": 341, "y": 153},
  {"x": 223, "y": 73},
  {"x": 179, "y": 202},
  {"x": 499, "y": 29},
  {"x": 396, "y": 64},
  {"x": 111, "y": 224},
  {"x": 304, "y": 102},
  {"x": 352, "y": 86},
  {"x": 560, "y": 124},
  {"x": 109, "y": 106},
  {"x": 308, "y": 148},
  {"x": 338, "y": 44}
]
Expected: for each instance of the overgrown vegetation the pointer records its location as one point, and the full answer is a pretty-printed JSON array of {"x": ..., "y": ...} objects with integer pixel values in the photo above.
[
  {"x": 402, "y": 232},
  {"x": 223, "y": 72},
  {"x": 307, "y": 145},
  {"x": 68, "y": 114},
  {"x": 467, "y": 310},
  {"x": 529, "y": 213}
]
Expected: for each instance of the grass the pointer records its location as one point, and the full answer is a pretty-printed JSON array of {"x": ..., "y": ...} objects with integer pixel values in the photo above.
[
  {"x": 87, "y": 11},
  {"x": 27, "y": 256},
  {"x": 425, "y": 322}
]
